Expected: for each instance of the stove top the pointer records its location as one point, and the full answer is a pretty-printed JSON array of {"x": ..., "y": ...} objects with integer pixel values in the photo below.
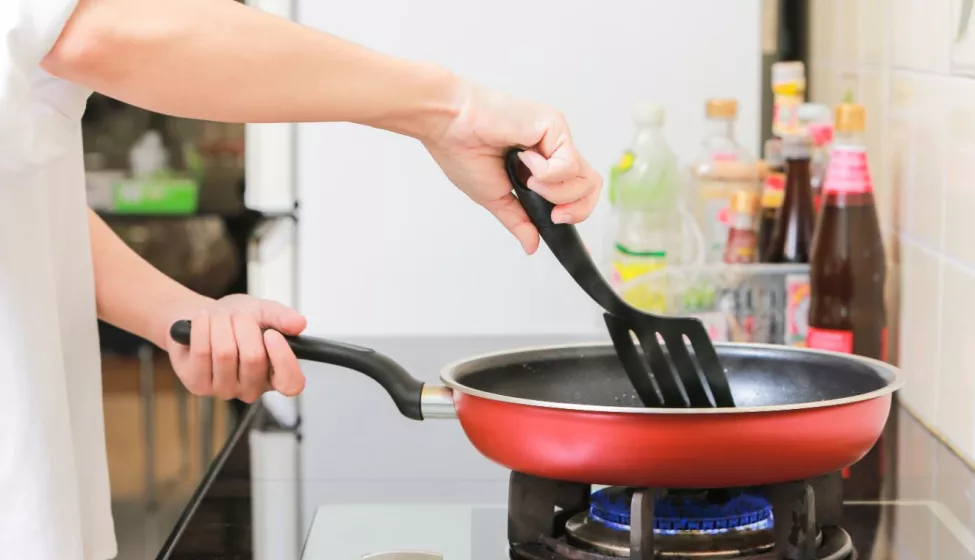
[
  {"x": 553, "y": 520},
  {"x": 875, "y": 530}
]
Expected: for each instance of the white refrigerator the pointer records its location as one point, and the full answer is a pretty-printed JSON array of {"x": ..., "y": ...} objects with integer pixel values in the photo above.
[{"x": 384, "y": 252}]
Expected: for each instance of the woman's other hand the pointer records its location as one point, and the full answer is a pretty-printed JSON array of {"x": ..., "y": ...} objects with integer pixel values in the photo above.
[{"x": 237, "y": 349}]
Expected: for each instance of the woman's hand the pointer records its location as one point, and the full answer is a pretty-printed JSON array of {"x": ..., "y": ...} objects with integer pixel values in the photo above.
[
  {"x": 231, "y": 355},
  {"x": 471, "y": 149}
]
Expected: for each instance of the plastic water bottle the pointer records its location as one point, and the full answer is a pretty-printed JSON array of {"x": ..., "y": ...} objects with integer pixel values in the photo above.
[{"x": 645, "y": 193}]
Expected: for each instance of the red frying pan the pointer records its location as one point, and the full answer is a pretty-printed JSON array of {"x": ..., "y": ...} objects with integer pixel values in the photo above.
[{"x": 570, "y": 412}]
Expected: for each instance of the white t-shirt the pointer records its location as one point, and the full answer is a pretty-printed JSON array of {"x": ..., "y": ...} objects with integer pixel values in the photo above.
[{"x": 54, "y": 491}]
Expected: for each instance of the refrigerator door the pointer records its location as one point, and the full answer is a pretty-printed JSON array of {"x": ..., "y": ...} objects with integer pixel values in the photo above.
[
  {"x": 271, "y": 275},
  {"x": 269, "y": 148}
]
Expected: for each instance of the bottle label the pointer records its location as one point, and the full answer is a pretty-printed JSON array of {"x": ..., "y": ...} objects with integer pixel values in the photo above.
[
  {"x": 724, "y": 157},
  {"x": 832, "y": 340},
  {"x": 715, "y": 226},
  {"x": 848, "y": 172},
  {"x": 773, "y": 191},
  {"x": 622, "y": 166},
  {"x": 785, "y": 114},
  {"x": 741, "y": 244},
  {"x": 821, "y": 134},
  {"x": 797, "y": 309},
  {"x": 639, "y": 281},
  {"x": 716, "y": 323}
]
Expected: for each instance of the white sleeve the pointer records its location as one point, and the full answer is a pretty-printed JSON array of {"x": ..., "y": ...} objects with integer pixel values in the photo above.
[
  {"x": 28, "y": 31},
  {"x": 31, "y": 27}
]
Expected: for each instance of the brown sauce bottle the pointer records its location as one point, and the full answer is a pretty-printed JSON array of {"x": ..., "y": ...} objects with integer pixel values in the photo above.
[
  {"x": 791, "y": 240},
  {"x": 773, "y": 192},
  {"x": 848, "y": 266},
  {"x": 848, "y": 271}
]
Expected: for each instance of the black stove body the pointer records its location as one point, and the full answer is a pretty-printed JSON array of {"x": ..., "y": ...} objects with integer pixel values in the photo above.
[{"x": 555, "y": 520}]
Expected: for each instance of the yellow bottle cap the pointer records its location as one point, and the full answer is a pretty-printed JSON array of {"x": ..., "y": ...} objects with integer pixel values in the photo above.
[
  {"x": 850, "y": 117},
  {"x": 745, "y": 202},
  {"x": 722, "y": 108}
]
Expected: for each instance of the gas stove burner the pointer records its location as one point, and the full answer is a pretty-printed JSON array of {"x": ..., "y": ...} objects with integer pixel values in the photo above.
[
  {"x": 557, "y": 520},
  {"x": 706, "y": 511},
  {"x": 712, "y": 524}
]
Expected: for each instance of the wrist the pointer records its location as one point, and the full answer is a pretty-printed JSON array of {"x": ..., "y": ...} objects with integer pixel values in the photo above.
[{"x": 431, "y": 98}]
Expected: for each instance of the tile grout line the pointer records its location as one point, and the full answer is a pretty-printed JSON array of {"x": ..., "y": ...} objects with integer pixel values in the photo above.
[
  {"x": 938, "y": 435},
  {"x": 955, "y": 262},
  {"x": 954, "y": 525}
]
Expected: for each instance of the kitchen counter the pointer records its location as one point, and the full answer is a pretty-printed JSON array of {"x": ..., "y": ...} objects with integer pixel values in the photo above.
[{"x": 925, "y": 509}]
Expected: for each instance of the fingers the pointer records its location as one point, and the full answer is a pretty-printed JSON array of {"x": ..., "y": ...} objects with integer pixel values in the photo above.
[
  {"x": 230, "y": 357},
  {"x": 254, "y": 369},
  {"x": 561, "y": 165},
  {"x": 223, "y": 348},
  {"x": 562, "y": 176},
  {"x": 577, "y": 210},
  {"x": 282, "y": 318},
  {"x": 198, "y": 376},
  {"x": 563, "y": 192},
  {"x": 286, "y": 375},
  {"x": 512, "y": 216}
]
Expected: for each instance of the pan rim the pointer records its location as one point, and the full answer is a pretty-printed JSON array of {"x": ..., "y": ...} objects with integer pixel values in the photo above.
[{"x": 448, "y": 377}]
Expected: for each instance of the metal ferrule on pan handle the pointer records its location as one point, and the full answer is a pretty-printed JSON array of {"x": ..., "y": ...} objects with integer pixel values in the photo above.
[{"x": 437, "y": 401}]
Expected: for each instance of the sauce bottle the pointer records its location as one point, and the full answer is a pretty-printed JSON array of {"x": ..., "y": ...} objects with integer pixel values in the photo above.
[
  {"x": 721, "y": 168},
  {"x": 848, "y": 271},
  {"x": 742, "y": 235},
  {"x": 791, "y": 239},
  {"x": 847, "y": 264},
  {"x": 788, "y": 93},
  {"x": 773, "y": 192}
]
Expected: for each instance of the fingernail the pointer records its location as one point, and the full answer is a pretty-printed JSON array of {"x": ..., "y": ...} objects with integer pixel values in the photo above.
[
  {"x": 529, "y": 158},
  {"x": 561, "y": 217}
]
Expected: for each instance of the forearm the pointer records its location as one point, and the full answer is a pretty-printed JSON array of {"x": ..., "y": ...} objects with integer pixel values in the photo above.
[
  {"x": 223, "y": 61},
  {"x": 130, "y": 293}
]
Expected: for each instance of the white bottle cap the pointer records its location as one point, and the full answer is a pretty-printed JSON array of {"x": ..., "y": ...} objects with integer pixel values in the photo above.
[
  {"x": 649, "y": 113},
  {"x": 814, "y": 113},
  {"x": 789, "y": 72},
  {"x": 796, "y": 147}
]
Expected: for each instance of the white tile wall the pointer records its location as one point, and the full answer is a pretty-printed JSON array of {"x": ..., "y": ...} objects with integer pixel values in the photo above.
[{"x": 901, "y": 60}]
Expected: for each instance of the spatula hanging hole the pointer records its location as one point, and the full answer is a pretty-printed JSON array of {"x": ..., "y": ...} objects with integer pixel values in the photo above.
[
  {"x": 645, "y": 362},
  {"x": 698, "y": 369},
  {"x": 662, "y": 368},
  {"x": 634, "y": 365}
]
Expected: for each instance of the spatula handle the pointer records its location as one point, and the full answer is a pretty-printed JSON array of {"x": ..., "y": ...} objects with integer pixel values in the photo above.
[{"x": 562, "y": 239}]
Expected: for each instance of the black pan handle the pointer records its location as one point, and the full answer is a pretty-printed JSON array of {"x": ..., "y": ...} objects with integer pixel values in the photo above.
[
  {"x": 405, "y": 390},
  {"x": 562, "y": 239}
]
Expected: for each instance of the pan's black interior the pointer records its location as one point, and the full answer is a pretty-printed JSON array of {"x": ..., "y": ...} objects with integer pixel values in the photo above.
[{"x": 593, "y": 375}]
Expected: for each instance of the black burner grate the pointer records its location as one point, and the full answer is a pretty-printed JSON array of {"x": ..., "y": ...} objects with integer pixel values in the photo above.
[{"x": 806, "y": 517}]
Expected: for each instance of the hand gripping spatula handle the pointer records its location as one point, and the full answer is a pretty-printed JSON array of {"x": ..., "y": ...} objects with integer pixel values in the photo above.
[{"x": 675, "y": 378}]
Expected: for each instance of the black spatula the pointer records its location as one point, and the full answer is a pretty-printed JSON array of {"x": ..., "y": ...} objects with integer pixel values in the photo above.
[{"x": 675, "y": 378}]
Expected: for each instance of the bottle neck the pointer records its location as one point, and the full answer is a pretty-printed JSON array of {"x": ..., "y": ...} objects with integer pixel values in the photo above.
[
  {"x": 647, "y": 135},
  {"x": 849, "y": 140},
  {"x": 847, "y": 181},
  {"x": 722, "y": 127},
  {"x": 798, "y": 186}
]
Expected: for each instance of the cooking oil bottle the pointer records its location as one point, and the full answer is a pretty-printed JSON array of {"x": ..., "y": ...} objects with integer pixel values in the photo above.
[{"x": 644, "y": 192}]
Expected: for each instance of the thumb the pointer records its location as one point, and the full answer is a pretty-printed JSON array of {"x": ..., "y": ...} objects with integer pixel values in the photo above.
[
  {"x": 282, "y": 318},
  {"x": 512, "y": 216}
]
